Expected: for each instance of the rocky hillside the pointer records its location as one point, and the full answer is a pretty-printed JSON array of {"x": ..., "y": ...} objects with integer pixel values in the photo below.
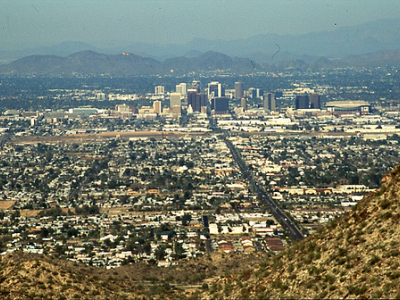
[
  {"x": 29, "y": 276},
  {"x": 356, "y": 256}
]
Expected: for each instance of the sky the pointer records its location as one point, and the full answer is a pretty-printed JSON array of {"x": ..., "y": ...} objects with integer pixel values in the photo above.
[{"x": 27, "y": 24}]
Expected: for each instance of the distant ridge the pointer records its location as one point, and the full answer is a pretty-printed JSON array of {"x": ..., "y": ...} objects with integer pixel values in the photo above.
[
  {"x": 90, "y": 62},
  {"x": 84, "y": 62}
]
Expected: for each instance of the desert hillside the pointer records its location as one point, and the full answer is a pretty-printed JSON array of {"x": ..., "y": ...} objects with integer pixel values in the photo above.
[{"x": 355, "y": 256}]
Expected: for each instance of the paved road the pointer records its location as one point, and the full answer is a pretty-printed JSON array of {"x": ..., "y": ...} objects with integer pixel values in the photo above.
[{"x": 273, "y": 208}]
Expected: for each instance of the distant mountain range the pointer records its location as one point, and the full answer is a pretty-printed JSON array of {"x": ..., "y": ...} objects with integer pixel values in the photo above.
[
  {"x": 381, "y": 35},
  {"x": 90, "y": 62},
  {"x": 372, "y": 44}
]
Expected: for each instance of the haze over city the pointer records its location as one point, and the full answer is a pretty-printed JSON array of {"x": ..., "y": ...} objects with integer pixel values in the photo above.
[{"x": 26, "y": 24}]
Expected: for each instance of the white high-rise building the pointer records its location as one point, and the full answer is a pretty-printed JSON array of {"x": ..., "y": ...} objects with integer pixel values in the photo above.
[
  {"x": 159, "y": 91},
  {"x": 174, "y": 99},
  {"x": 215, "y": 90},
  {"x": 181, "y": 88}
]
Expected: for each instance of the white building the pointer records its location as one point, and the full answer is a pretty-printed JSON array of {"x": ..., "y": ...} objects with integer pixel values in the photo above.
[
  {"x": 181, "y": 89},
  {"x": 159, "y": 90}
]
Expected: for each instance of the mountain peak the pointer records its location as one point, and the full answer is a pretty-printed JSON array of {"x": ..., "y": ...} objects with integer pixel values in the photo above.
[
  {"x": 211, "y": 53},
  {"x": 85, "y": 53}
]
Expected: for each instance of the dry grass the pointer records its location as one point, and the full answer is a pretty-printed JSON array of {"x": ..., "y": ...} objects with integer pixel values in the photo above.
[
  {"x": 6, "y": 204},
  {"x": 29, "y": 212}
]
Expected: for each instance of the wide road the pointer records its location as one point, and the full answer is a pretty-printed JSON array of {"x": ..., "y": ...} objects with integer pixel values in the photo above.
[{"x": 273, "y": 208}]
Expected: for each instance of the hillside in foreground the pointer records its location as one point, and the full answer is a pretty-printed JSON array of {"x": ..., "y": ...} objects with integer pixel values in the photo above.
[
  {"x": 31, "y": 276},
  {"x": 355, "y": 256}
]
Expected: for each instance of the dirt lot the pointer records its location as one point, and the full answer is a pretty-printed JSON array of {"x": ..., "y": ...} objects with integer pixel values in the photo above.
[
  {"x": 84, "y": 137},
  {"x": 6, "y": 204}
]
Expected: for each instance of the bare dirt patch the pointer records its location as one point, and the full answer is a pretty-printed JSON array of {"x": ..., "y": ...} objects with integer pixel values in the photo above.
[
  {"x": 6, "y": 204},
  {"x": 85, "y": 137}
]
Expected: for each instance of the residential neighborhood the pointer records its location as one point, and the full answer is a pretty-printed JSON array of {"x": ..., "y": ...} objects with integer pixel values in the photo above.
[{"x": 113, "y": 177}]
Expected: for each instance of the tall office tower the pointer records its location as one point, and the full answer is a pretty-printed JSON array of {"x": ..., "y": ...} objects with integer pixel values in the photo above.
[
  {"x": 215, "y": 89},
  {"x": 269, "y": 101},
  {"x": 196, "y": 100},
  {"x": 159, "y": 91},
  {"x": 221, "y": 105},
  {"x": 174, "y": 100},
  {"x": 259, "y": 93},
  {"x": 315, "y": 100},
  {"x": 243, "y": 103},
  {"x": 191, "y": 96},
  {"x": 238, "y": 90},
  {"x": 302, "y": 102},
  {"x": 201, "y": 101},
  {"x": 181, "y": 88},
  {"x": 157, "y": 107}
]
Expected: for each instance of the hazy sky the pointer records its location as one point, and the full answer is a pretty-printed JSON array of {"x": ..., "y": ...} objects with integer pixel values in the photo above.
[{"x": 33, "y": 23}]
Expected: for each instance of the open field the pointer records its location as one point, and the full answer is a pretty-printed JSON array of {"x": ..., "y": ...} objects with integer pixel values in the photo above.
[
  {"x": 29, "y": 212},
  {"x": 84, "y": 137},
  {"x": 34, "y": 212}
]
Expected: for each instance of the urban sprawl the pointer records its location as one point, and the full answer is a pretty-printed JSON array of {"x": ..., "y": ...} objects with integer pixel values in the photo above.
[{"x": 108, "y": 176}]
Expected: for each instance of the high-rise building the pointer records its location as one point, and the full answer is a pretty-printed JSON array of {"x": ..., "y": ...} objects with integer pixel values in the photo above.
[
  {"x": 243, "y": 103},
  {"x": 269, "y": 101},
  {"x": 157, "y": 107},
  {"x": 259, "y": 93},
  {"x": 174, "y": 99},
  {"x": 238, "y": 90},
  {"x": 315, "y": 100},
  {"x": 191, "y": 96},
  {"x": 215, "y": 89},
  {"x": 221, "y": 105},
  {"x": 302, "y": 102},
  {"x": 159, "y": 90},
  {"x": 201, "y": 101},
  {"x": 196, "y": 100},
  {"x": 181, "y": 89}
]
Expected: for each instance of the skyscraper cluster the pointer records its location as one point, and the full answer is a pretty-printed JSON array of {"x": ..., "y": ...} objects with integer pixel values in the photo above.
[
  {"x": 196, "y": 100},
  {"x": 307, "y": 101}
]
